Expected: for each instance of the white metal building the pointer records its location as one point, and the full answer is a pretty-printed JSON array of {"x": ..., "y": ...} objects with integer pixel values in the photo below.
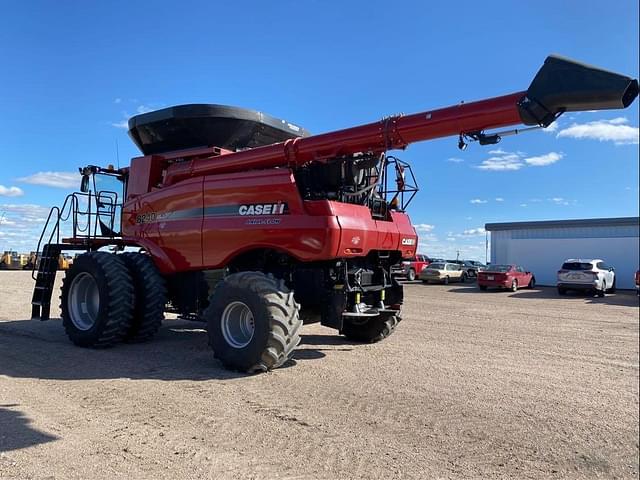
[{"x": 541, "y": 247}]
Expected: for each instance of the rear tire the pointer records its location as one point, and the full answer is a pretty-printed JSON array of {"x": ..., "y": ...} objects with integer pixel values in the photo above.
[
  {"x": 411, "y": 275},
  {"x": 514, "y": 286},
  {"x": 253, "y": 322},
  {"x": 371, "y": 330},
  {"x": 613, "y": 287},
  {"x": 602, "y": 291},
  {"x": 532, "y": 283},
  {"x": 97, "y": 300},
  {"x": 446, "y": 280},
  {"x": 463, "y": 278},
  {"x": 150, "y": 297},
  {"x": 562, "y": 291}
]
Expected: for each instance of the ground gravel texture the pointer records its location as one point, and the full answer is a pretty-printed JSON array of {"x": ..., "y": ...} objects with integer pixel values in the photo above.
[{"x": 472, "y": 385}]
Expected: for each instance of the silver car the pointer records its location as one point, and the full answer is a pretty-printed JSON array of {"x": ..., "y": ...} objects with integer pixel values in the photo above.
[{"x": 586, "y": 275}]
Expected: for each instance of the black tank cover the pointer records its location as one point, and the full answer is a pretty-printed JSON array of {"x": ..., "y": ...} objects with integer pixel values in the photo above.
[{"x": 203, "y": 125}]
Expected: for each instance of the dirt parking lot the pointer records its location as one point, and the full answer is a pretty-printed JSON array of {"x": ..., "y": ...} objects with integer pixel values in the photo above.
[{"x": 471, "y": 385}]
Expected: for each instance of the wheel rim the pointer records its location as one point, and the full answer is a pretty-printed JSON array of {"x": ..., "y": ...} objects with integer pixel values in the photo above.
[
  {"x": 84, "y": 301},
  {"x": 237, "y": 324},
  {"x": 514, "y": 285}
]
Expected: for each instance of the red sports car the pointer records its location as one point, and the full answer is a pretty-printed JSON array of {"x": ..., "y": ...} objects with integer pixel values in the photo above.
[{"x": 506, "y": 276}]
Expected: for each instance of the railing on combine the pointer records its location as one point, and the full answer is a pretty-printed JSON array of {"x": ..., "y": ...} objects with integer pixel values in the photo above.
[{"x": 92, "y": 216}]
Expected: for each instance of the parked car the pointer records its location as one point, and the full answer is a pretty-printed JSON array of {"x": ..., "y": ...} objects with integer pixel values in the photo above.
[
  {"x": 506, "y": 276},
  {"x": 638, "y": 282},
  {"x": 410, "y": 268},
  {"x": 472, "y": 267},
  {"x": 443, "y": 272},
  {"x": 592, "y": 275}
]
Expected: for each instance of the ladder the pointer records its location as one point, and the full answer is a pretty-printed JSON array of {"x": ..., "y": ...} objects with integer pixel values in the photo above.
[{"x": 45, "y": 278}]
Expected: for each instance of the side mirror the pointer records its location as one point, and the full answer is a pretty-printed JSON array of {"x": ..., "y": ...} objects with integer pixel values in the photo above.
[{"x": 84, "y": 184}]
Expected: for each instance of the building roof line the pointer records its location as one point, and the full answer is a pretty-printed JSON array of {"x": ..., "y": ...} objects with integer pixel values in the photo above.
[{"x": 582, "y": 222}]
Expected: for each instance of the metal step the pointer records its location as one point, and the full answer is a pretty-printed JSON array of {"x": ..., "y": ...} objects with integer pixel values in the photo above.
[{"x": 45, "y": 279}]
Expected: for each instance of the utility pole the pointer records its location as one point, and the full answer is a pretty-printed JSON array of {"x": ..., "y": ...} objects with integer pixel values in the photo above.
[{"x": 457, "y": 255}]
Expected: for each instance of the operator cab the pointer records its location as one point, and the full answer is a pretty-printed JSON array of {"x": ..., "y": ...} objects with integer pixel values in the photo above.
[{"x": 102, "y": 193}]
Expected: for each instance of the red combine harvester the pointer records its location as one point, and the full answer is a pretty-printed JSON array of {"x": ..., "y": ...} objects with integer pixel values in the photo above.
[{"x": 306, "y": 227}]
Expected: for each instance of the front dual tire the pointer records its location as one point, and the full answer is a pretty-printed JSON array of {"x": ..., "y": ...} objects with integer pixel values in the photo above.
[
  {"x": 108, "y": 298},
  {"x": 97, "y": 300}
]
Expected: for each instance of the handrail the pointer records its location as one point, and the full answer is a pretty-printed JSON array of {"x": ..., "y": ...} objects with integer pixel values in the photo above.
[{"x": 106, "y": 205}]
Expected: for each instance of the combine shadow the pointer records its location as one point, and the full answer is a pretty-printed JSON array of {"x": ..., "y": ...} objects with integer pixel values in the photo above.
[
  {"x": 180, "y": 351},
  {"x": 331, "y": 341},
  {"x": 15, "y": 432}
]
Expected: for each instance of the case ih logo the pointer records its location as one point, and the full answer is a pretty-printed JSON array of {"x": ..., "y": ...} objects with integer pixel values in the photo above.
[{"x": 279, "y": 208}]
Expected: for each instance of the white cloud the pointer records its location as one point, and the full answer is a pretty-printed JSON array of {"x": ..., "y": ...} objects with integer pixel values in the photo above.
[
  {"x": 121, "y": 124},
  {"x": 140, "y": 109},
  {"x": 499, "y": 199},
  {"x": 559, "y": 201},
  {"x": 26, "y": 211},
  {"x": 544, "y": 160},
  {"x": 21, "y": 225},
  {"x": 53, "y": 179},
  {"x": 552, "y": 128},
  {"x": 10, "y": 191},
  {"x": 474, "y": 232},
  {"x": 523, "y": 204},
  {"x": 615, "y": 130},
  {"x": 455, "y": 160},
  {"x": 477, "y": 201},
  {"x": 469, "y": 247},
  {"x": 619, "y": 121},
  {"x": 511, "y": 161},
  {"x": 502, "y": 161},
  {"x": 424, "y": 227},
  {"x": 117, "y": 100}
]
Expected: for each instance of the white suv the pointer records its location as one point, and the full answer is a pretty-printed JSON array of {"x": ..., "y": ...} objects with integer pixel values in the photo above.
[{"x": 592, "y": 275}]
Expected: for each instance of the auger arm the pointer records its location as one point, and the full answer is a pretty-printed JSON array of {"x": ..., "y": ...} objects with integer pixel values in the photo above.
[{"x": 561, "y": 85}]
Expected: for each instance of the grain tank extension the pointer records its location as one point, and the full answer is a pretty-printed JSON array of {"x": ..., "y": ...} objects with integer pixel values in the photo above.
[{"x": 305, "y": 228}]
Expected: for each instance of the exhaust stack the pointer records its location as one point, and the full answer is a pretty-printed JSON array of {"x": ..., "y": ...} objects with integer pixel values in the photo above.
[{"x": 564, "y": 85}]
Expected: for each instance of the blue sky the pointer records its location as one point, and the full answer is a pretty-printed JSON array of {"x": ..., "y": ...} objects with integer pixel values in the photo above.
[{"x": 72, "y": 73}]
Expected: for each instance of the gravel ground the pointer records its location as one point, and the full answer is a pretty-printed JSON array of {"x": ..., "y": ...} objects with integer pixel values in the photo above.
[{"x": 471, "y": 385}]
